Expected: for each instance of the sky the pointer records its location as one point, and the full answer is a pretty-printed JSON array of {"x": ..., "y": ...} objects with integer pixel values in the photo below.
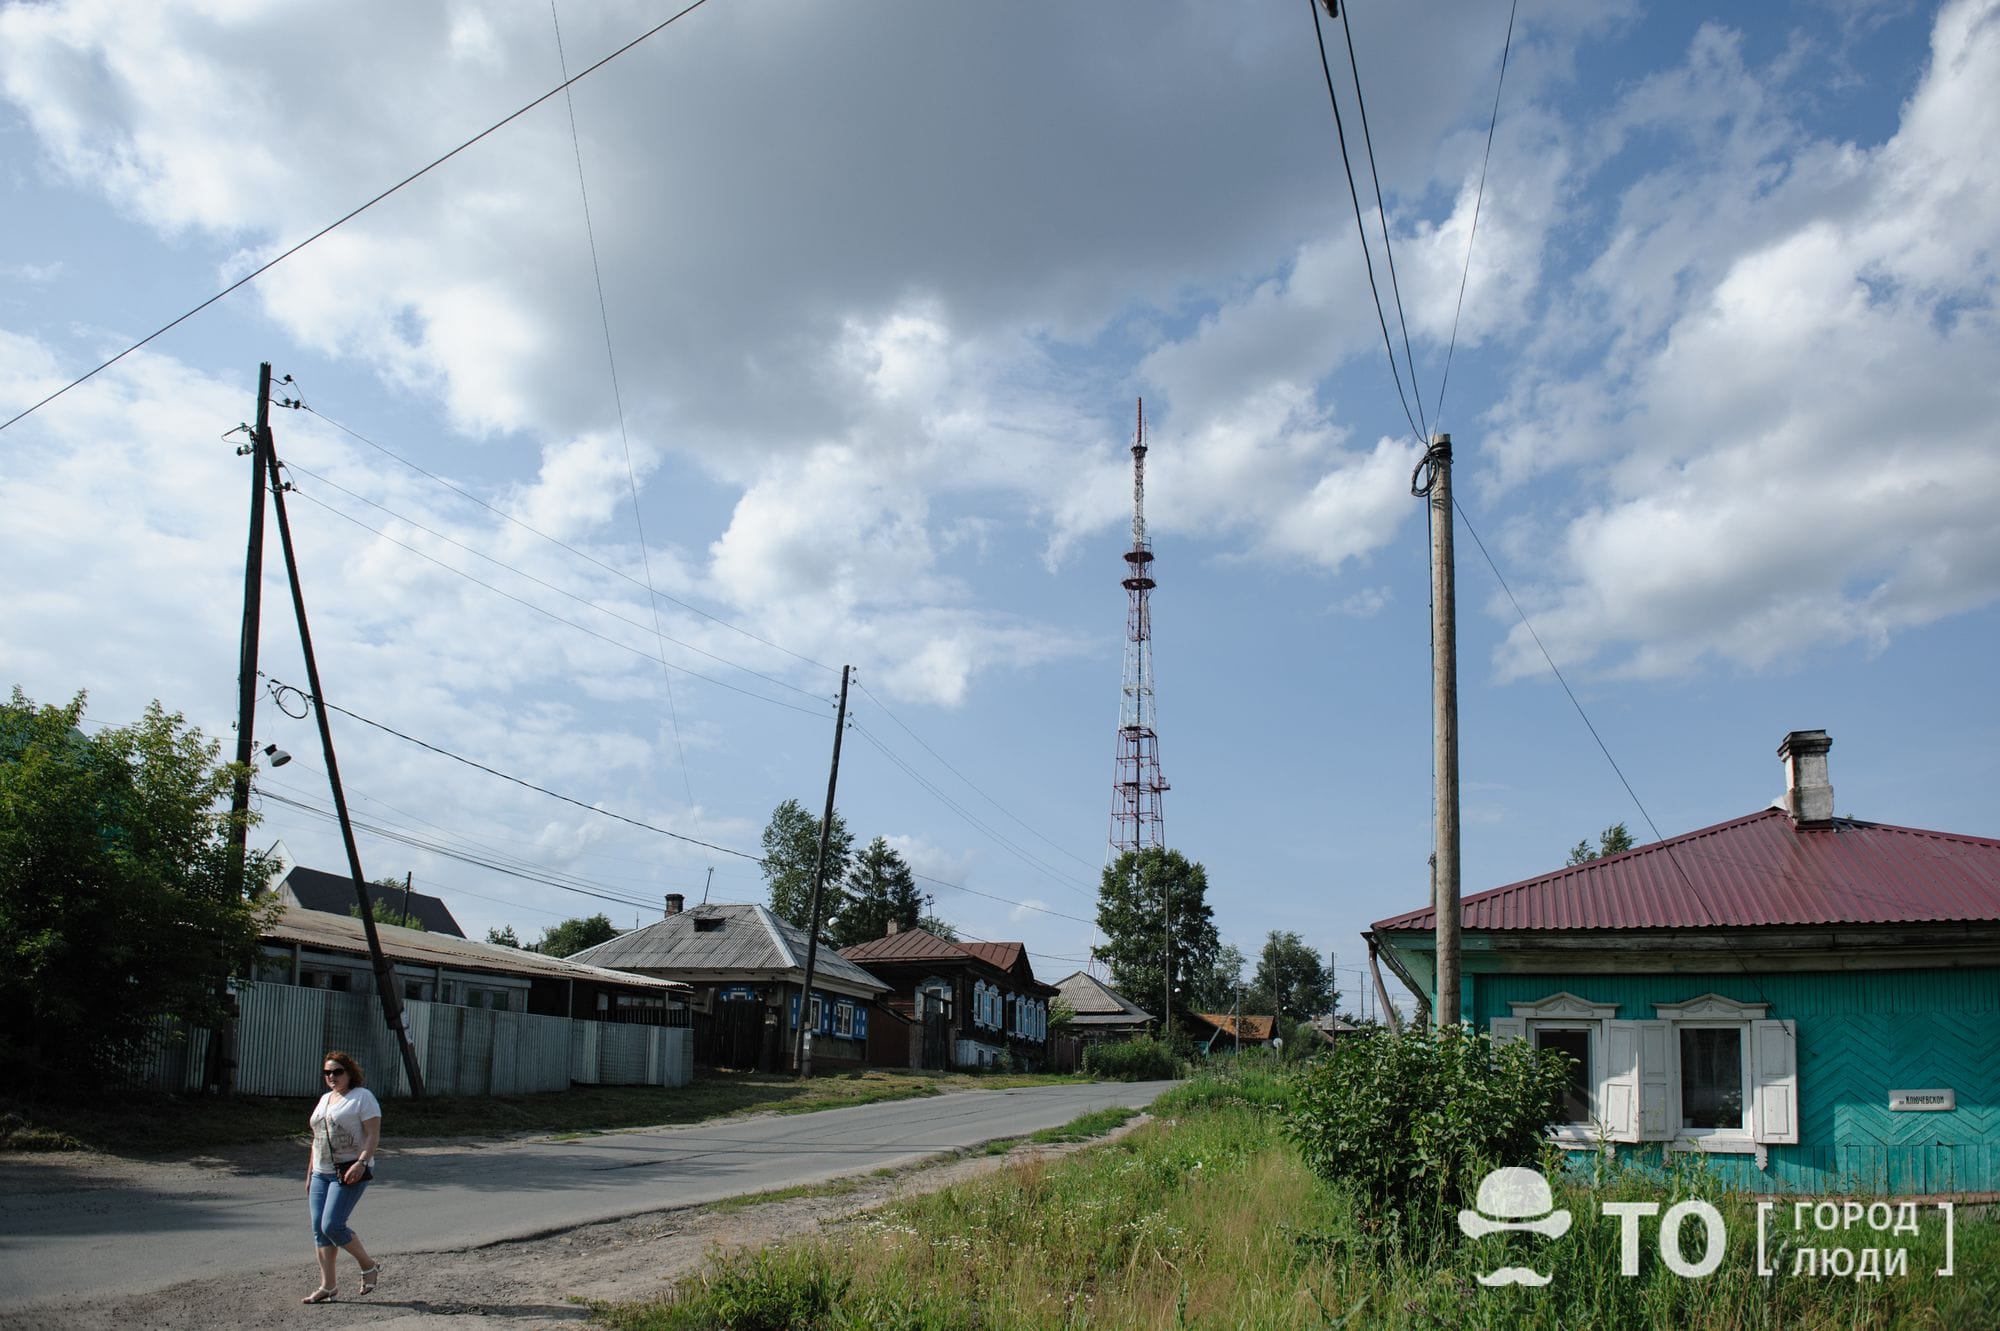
[{"x": 799, "y": 336}]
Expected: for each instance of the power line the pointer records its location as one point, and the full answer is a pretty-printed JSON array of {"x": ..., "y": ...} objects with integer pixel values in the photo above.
[
  {"x": 258, "y": 272},
  {"x": 506, "y": 776},
  {"x": 1361, "y": 228},
  {"x": 618, "y": 399},
  {"x": 543, "y": 610},
  {"x": 1713, "y": 918},
  {"x": 1382, "y": 217},
  {"x": 552, "y": 540},
  {"x": 966, "y": 779},
  {"x": 1030, "y": 860},
  {"x": 1478, "y": 199},
  {"x": 584, "y": 601}
]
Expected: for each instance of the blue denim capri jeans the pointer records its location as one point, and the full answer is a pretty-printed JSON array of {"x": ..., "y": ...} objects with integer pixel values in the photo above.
[{"x": 332, "y": 1202}]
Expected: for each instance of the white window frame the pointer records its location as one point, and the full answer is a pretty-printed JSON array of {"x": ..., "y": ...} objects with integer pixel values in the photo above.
[
  {"x": 1565, "y": 1011},
  {"x": 1639, "y": 1099}
]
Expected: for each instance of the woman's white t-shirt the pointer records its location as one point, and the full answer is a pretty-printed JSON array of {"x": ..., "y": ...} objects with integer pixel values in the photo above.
[{"x": 336, "y": 1127}]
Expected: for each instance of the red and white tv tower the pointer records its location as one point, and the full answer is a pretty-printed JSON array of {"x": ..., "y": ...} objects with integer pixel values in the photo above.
[{"x": 1137, "y": 818}]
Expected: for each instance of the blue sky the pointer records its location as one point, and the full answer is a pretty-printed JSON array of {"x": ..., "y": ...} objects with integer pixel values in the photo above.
[{"x": 881, "y": 284}]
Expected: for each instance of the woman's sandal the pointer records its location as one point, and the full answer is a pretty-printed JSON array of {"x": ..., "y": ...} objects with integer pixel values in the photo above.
[
  {"x": 370, "y": 1278},
  {"x": 324, "y": 1294}
]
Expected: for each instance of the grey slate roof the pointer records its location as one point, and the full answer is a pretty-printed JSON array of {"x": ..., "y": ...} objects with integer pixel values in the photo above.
[
  {"x": 333, "y": 893},
  {"x": 720, "y": 941},
  {"x": 1097, "y": 1003},
  {"x": 328, "y": 932}
]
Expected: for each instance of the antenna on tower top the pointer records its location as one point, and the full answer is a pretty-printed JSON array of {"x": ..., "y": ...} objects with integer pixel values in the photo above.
[{"x": 1137, "y": 816}]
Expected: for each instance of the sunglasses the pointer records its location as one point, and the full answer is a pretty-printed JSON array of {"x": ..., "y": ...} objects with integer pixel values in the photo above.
[{"x": 333, "y": 1072}]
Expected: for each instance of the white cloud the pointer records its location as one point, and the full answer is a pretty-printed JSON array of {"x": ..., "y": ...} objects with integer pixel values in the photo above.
[{"x": 1792, "y": 423}]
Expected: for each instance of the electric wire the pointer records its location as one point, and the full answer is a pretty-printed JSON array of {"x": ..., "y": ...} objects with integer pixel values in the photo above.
[
  {"x": 552, "y": 540},
  {"x": 543, "y": 610},
  {"x": 963, "y": 777},
  {"x": 1039, "y": 865},
  {"x": 279, "y": 686},
  {"x": 1360, "y": 227},
  {"x": 519, "y": 781},
  {"x": 1382, "y": 217},
  {"x": 580, "y": 599},
  {"x": 1478, "y": 201},
  {"x": 1714, "y": 918},
  {"x": 618, "y": 399},
  {"x": 266, "y": 267}
]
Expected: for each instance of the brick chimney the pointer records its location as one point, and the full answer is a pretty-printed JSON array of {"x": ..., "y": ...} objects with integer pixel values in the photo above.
[
  {"x": 893, "y": 926},
  {"x": 674, "y": 903},
  {"x": 1808, "y": 788}
]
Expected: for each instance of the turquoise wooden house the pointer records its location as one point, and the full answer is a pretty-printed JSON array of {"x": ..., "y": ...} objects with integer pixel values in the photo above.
[{"x": 1810, "y": 1003}]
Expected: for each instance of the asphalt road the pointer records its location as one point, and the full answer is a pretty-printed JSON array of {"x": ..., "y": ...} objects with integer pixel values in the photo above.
[{"x": 68, "y": 1232}]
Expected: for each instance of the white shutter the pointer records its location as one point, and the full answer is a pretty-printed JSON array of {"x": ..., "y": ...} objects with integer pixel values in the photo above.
[
  {"x": 1655, "y": 1080},
  {"x": 1774, "y": 1079},
  {"x": 1506, "y": 1030},
  {"x": 1619, "y": 1098}
]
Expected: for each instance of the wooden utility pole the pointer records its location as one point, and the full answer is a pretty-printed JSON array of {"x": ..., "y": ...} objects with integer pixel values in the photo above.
[
  {"x": 246, "y": 664},
  {"x": 1444, "y": 730},
  {"x": 393, "y": 1014},
  {"x": 802, "y": 1051}
]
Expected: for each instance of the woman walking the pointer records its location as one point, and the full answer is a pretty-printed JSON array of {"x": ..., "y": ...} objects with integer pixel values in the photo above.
[{"x": 346, "y": 1125}]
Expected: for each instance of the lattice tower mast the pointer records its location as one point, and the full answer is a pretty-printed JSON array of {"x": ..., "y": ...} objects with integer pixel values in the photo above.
[{"x": 1137, "y": 816}]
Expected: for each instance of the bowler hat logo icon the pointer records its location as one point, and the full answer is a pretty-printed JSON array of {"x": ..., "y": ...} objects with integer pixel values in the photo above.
[{"x": 1514, "y": 1199}]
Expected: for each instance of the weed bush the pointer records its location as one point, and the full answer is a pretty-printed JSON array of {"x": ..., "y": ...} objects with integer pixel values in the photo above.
[
  {"x": 1412, "y": 1122},
  {"x": 1142, "y": 1059}
]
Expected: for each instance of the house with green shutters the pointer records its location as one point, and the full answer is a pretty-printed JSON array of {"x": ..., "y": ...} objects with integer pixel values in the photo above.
[{"x": 1810, "y": 1003}]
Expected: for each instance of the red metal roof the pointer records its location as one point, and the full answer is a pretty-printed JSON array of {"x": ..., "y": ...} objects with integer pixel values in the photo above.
[
  {"x": 1761, "y": 870},
  {"x": 903, "y": 945},
  {"x": 1005, "y": 956}
]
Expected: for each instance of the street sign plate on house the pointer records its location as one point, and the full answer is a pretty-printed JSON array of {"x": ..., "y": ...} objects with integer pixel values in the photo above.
[{"x": 1934, "y": 1101}]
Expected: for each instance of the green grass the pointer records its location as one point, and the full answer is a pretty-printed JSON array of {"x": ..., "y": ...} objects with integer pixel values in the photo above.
[
  {"x": 145, "y": 1123},
  {"x": 1207, "y": 1217},
  {"x": 836, "y": 1187}
]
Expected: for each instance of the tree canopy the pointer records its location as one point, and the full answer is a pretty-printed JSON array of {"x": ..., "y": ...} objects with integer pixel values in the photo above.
[
  {"x": 572, "y": 936},
  {"x": 1216, "y": 990},
  {"x": 115, "y": 898},
  {"x": 504, "y": 936},
  {"x": 791, "y": 849},
  {"x": 1613, "y": 840},
  {"x": 1138, "y": 892},
  {"x": 1291, "y": 981},
  {"x": 880, "y": 890}
]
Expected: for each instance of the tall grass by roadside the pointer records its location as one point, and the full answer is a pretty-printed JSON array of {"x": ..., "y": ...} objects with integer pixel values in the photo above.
[{"x": 1209, "y": 1218}]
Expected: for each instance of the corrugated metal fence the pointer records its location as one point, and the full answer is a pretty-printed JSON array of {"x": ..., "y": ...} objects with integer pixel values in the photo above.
[{"x": 283, "y": 1031}]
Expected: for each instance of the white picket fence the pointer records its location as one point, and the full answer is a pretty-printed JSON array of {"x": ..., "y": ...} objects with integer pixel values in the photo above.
[{"x": 283, "y": 1031}]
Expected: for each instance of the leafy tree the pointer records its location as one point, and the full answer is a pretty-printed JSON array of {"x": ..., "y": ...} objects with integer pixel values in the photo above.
[
  {"x": 115, "y": 904},
  {"x": 932, "y": 924},
  {"x": 1613, "y": 840},
  {"x": 572, "y": 936},
  {"x": 504, "y": 936},
  {"x": 1130, "y": 900},
  {"x": 791, "y": 849},
  {"x": 880, "y": 890},
  {"x": 1215, "y": 991},
  {"x": 1290, "y": 981}
]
